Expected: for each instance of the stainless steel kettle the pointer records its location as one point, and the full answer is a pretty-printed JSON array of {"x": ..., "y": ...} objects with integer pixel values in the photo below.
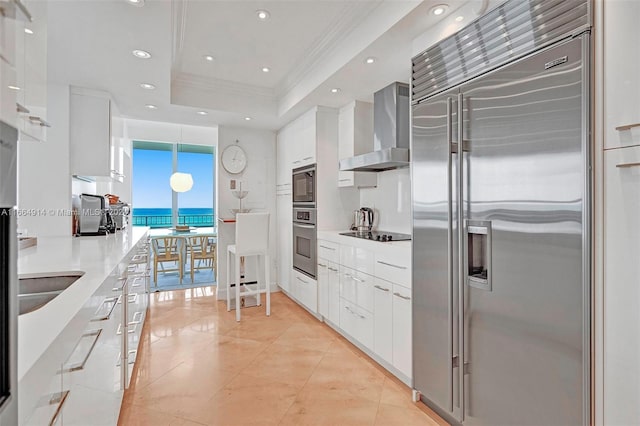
[{"x": 363, "y": 219}]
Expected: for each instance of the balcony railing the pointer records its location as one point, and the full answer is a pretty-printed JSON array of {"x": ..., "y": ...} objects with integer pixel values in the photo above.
[{"x": 203, "y": 220}]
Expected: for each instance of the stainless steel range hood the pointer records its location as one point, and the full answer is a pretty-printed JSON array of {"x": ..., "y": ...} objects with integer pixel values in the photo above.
[{"x": 390, "y": 132}]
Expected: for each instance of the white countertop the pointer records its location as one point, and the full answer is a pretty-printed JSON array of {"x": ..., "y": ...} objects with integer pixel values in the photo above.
[
  {"x": 334, "y": 236},
  {"x": 95, "y": 256}
]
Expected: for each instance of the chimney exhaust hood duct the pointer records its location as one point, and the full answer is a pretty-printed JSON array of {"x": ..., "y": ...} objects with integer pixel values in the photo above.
[{"x": 390, "y": 132}]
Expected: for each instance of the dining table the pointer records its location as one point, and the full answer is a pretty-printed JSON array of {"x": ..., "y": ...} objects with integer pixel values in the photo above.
[{"x": 183, "y": 236}]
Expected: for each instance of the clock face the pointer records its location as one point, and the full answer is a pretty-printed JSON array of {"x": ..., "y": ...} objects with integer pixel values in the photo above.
[{"x": 234, "y": 160}]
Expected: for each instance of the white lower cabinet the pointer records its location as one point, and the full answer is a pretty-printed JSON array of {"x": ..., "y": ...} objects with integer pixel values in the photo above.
[
  {"x": 402, "y": 351},
  {"x": 372, "y": 311},
  {"x": 383, "y": 319},
  {"x": 284, "y": 240},
  {"x": 305, "y": 290}
]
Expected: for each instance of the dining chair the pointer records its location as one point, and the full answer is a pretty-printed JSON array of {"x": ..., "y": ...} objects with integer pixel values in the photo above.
[
  {"x": 167, "y": 249},
  {"x": 252, "y": 239},
  {"x": 202, "y": 249}
]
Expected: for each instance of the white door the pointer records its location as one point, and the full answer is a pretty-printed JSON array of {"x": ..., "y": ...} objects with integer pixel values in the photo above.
[{"x": 383, "y": 319}]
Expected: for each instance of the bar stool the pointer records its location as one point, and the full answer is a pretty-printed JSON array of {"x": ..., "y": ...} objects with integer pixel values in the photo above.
[{"x": 252, "y": 239}]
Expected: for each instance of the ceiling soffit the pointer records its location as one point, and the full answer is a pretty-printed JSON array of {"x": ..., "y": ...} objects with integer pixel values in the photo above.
[{"x": 354, "y": 13}]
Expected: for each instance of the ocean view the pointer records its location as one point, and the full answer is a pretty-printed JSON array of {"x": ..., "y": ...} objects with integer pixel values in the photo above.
[{"x": 161, "y": 217}]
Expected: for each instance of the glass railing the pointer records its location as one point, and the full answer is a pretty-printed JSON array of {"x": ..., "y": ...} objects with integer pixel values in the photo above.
[{"x": 163, "y": 221}]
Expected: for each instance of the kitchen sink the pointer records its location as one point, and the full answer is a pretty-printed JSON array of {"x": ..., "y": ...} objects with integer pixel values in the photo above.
[{"x": 36, "y": 290}]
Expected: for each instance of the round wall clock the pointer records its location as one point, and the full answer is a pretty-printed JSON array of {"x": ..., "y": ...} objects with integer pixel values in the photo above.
[{"x": 234, "y": 159}]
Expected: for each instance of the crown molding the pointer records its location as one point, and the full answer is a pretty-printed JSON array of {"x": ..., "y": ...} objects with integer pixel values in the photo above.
[
  {"x": 353, "y": 14},
  {"x": 226, "y": 87}
]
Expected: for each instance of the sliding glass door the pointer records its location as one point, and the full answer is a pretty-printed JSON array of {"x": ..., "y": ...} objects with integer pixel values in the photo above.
[{"x": 154, "y": 202}]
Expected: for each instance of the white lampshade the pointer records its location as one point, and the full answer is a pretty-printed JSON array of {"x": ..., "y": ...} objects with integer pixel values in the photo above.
[{"x": 181, "y": 182}]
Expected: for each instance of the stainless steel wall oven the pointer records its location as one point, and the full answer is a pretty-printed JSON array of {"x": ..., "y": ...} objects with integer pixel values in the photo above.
[{"x": 304, "y": 241}]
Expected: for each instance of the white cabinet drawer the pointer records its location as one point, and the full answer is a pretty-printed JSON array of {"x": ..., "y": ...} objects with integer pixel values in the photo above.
[
  {"x": 394, "y": 266},
  {"x": 306, "y": 291},
  {"x": 328, "y": 251},
  {"x": 357, "y": 288},
  {"x": 357, "y": 258},
  {"x": 357, "y": 322},
  {"x": 348, "y": 320}
]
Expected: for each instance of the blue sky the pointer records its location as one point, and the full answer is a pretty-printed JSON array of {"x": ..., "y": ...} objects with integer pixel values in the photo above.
[{"x": 151, "y": 173}]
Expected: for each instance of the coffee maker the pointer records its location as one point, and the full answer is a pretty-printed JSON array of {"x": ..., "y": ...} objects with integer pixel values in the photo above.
[{"x": 93, "y": 216}]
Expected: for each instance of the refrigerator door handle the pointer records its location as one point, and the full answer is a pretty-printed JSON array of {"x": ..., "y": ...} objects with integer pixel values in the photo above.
[
  {"x": 450, "y": 291},
  {"x": 461, "y": 263}
]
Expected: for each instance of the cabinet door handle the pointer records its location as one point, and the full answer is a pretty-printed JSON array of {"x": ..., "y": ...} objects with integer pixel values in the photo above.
[
  {"x": 401, "y": 296},
  {"x": 138, "y": 320},
  {"x": 381, "y": 288},
  {"x": 332, "y": 269},
  {"x": 37, "y": 120},
  {"x": 22, "y": 109},
  {"x": 357, "y": 279},
  {"x": 130, "y": 330},
  {"x": 347, "y": 275},
  {"x": 328, "y": 248},
  {"x": 60, "y": 398},
  {"x": 344, "y": 180},
  {"x": 392, "y": 265},
  {"x": 321, "y": 265},
  {"x": 133, "y": 352},
  {"x": 296, "y": 162},
  {"x": 307, "y": 158},
  {"x": 79, "y": 366},
  {"x": 627, "y": 127},
  {"x": 301, "y": 280},
  {"x": 114, "y": 301},
  {"x": 627, "y": 165}
]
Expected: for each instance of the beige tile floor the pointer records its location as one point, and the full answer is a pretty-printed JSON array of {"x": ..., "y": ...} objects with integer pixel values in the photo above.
[{"x": 197, "y": 366}]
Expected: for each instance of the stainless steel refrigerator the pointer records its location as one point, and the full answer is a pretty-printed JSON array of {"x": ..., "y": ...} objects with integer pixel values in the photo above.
[{"x": 501, "y": 235}]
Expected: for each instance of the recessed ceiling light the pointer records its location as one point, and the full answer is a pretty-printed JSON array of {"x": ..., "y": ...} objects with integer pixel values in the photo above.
[
  {"x": 439, "y": 9},
  {"x": 263, "y": 15},
  {"x": 147, "y": 86},
  {"x": 13, "y": 87},
  {"x": 202, "y": 112},
  {"x": 335, "y": 90},
  {"x": 248, "y": 118},
  {"x": 209, "y": 58},
  {"x": 266, "y": 69},
  {"x": 151, "y": 106},
  {"x": 28, "y": 30},
  {"x": 138, "y": 3},
  {"x": 141, "y": 54},
  {"x": 459, "y": 18},
  {"x": 370, "y": 60}
]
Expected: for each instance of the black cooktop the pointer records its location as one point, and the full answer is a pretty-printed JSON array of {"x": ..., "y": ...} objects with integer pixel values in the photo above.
[{"x": 378, "y": 235}]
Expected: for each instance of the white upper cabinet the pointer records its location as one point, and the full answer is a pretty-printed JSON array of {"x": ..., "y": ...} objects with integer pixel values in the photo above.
[
  {"x": 31, "y": 73},
  {"x": 283, "y": 160},
  {"x": 621, "y": 72},
  {"x": 96, "y": 135},
  {"x": 355, "y": 136}
]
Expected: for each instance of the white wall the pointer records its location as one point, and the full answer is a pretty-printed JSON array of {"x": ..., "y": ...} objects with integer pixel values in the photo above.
[
  {"x": 43, "y": 172},
  {"x": 259, "y": 178},
  {"x": 391, "y": 200}
]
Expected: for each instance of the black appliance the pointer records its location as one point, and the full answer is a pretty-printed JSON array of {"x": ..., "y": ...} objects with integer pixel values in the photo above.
[
  {"x": 8, "y": 275},
  {"x": 378, "y": 235}
]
